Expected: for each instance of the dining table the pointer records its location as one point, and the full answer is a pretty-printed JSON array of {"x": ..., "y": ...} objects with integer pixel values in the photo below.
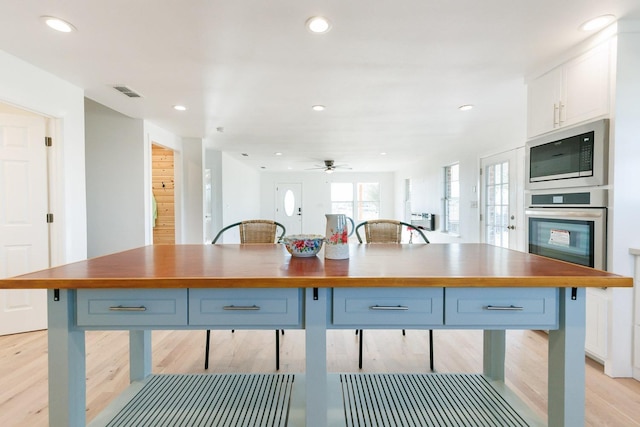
[{"x": 261, "y": 286}]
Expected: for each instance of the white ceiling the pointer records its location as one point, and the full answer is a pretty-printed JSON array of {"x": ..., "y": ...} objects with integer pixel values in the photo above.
[{"x": 391, "y": 73}]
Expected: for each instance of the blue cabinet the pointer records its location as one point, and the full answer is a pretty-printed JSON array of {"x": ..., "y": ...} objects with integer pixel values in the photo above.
[
  {"x": 245, "y": 308},
  {"x": 388, "y": 307},
  {"x": 502, "y": 308},
  {"x": 131, "y": 307}
]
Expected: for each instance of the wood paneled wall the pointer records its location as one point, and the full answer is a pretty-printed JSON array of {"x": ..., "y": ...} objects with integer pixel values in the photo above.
[{"x": 164, "y": 232}]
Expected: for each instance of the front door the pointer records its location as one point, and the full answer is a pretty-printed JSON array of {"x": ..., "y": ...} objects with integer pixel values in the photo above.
[
  {"x": 289, "y": 206},
  {"x": 502, "y": 202},
  {"x": 24, "y": 235}
]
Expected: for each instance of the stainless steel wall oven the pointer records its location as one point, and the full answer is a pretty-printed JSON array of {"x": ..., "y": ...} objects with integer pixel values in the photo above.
[{"x": 569, "y": 226}]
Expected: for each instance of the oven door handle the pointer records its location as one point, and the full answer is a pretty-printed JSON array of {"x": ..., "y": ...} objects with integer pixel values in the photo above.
[{"x": 588, "y": 213}]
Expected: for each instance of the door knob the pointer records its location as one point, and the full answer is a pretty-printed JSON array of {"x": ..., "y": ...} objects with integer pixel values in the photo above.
[{"x": 511, "y": 227}]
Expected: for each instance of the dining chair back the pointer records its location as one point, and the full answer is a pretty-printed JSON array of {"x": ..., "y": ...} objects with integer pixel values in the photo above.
[
  {"x": 252, "y": 231},
  {"x": 389, "y": 231},
  {"x": 256, "y": 231}
]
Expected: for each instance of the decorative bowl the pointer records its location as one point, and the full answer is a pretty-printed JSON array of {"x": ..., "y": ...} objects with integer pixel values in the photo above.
[{"x": 303, "y": 245}]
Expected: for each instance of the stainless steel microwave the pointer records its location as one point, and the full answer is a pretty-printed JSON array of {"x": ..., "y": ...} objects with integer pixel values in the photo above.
[{"x": 576, "y": 157}]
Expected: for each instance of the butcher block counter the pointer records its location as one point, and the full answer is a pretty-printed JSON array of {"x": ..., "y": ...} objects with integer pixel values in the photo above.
[{"x": 420, "y": 286}]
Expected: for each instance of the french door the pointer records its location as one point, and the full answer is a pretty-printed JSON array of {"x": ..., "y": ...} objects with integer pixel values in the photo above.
[{"x": 502, "y": 199}]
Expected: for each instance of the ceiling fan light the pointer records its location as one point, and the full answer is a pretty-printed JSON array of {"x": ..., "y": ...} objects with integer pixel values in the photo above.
[{"x": 328, "y": 170}]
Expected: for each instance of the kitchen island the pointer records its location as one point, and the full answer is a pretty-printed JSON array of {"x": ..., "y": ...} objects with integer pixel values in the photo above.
[{"x": 459, "y": 286}]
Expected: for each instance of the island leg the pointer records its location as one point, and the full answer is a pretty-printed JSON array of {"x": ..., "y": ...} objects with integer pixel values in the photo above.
[
  {"x": 67, "y": 369},
  {"x": 316, "y": 357},
  {"x": 493, "y": 355},
  {"x": 139, "y": 355},
  {"x": 566, "y": 361}
]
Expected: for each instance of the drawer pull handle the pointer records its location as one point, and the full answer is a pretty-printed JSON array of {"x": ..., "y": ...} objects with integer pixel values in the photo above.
[
  {"x": 504, "y": 307},
  {"x": 124, "y": 308},
  {"x": 241, "y": 307},
  {"x": 388, "y": 307}
]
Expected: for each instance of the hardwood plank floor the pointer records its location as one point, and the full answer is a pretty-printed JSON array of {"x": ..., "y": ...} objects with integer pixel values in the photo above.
[{"x": 23, "y": 366}]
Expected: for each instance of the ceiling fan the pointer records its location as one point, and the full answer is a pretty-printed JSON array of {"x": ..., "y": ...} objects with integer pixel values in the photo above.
[{"x": 330, "y": 166}]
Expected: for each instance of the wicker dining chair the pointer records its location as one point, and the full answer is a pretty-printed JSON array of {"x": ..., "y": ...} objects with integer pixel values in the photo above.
[
  {"x": 389, "y": 231},
  {"x": 252, "y": 231}
]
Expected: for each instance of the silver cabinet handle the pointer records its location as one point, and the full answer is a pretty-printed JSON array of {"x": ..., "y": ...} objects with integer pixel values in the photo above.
[
  {"x": 388, "y": 307},
  {"x": 241, "y": 307},
  {"x": 503, "y": 307},
  {"x": 125, "y": 308}
]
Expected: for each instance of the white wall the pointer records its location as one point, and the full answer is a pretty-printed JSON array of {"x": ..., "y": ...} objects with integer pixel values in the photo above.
[
  {"x": 316, "y": 194},
  {"x": 625, "y": 232},
  {"x": 428, "y": 190},
  {"x": 115, "y": 181},
  {"x": 31, "y": 88},
  {"x": 192, "y": 165},
  {"x": 159, "y": 136},
  {"x": 213, "y": 162},
  {"x": 240, "y": 194}
]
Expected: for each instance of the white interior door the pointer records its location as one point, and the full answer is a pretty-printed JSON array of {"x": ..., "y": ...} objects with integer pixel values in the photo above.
[
  {"x": 502, "y": 202},
  {"x": 289, "y": 206},
  {"x": 24, "y": 237}
]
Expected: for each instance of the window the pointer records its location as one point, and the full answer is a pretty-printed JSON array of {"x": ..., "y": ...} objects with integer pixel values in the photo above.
[
  {"x": 342, "y": 198},
  {"x": 451, "y": 221},
  {"x": 360, "y": 201}
]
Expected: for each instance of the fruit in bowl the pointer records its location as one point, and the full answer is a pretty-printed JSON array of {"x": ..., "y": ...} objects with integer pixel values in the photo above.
[{"x": 303, "y": 245}]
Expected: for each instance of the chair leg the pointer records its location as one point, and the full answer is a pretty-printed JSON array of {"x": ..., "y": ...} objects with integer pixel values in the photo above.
[
  {"x": 206, "y": 350},
  {"x": 360, "y": 351},
  {"x": 431, "y": 349},
  {"x": 277, "y": 350}
]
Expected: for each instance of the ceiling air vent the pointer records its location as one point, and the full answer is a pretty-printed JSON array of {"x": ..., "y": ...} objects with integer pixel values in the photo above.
[{"x": 127, "y": 91}]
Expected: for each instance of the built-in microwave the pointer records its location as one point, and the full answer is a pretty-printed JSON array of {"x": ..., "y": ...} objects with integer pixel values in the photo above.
[{"x": 575, "y": 157}]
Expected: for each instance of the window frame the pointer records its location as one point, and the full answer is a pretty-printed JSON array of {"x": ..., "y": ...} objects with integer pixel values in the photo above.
[
  {"x": 451, "y": 200},
  {"x": 357, "y": 202}
]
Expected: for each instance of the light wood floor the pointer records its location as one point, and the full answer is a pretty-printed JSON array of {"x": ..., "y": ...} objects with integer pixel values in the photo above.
[{"x": 23, "y": 366}]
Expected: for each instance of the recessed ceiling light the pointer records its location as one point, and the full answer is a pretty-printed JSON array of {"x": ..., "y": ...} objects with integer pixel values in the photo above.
[
  {"x": 466, "y": 107},
  {"x": 180, "y": 107},
  {"x": 318, "y": 108},
  {"x": 278, "y": 153},
  {"x": 58, "y": 24},
  {"x": 597, "y": 23},
  {"x": 383, "y": 154},
  {"x": 318, "y": 24}
]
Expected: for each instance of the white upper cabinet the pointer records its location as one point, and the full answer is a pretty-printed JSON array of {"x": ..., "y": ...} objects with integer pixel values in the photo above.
[{"x": 574, "y": 92}]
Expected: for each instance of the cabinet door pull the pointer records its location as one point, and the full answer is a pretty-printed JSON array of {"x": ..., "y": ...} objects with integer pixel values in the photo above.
[
  {"x": 241, "y": 307},
  {"x": 556, "y": 115},
  {"x": 503, "y": 307},
  {"x": 561, "y": 112},
  {"x": 126, "y": 308},
  {"x": 388, "y": 307}
]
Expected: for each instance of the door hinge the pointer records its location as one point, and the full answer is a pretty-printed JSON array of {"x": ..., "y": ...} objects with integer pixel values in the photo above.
[
  {"x": 49, "y": 218},
  {"x": 480, "y": 217},
  {"x": 48, "y": 141}
]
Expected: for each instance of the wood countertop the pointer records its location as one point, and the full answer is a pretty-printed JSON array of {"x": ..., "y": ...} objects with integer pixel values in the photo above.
[{"x": 262, "y": 266}]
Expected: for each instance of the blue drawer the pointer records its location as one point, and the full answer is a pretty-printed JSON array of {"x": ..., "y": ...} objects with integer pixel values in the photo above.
[
  {"x": 380, "y": 307},
  {"x": 502, "y": 308},
  {"x": 255, "y": 308},
  {"x": 131, "y": 307}
]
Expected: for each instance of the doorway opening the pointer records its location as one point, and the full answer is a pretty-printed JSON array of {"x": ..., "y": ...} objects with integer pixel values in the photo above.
[{"x": 163, "y": 194}]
